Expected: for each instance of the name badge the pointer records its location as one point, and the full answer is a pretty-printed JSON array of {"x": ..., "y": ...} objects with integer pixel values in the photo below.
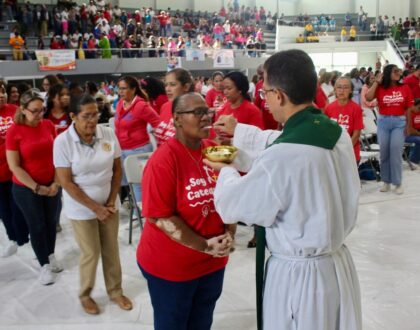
[{"x": 106, "y": 147}]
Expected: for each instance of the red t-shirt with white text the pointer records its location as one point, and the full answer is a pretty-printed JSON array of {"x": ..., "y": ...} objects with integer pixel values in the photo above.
[
  {"x": 349, "y": 116},
  {"x": 35, "y": 147},
  {"x": 415, "y": 117},
  {"x": 7, "y": 113},
  {"x": 176, "y": 184},
  {"x": 395, "y": 100},
  {"x": 166, "y": 129}
]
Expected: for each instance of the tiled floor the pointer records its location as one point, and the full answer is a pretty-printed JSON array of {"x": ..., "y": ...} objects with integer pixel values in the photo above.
[{"x": 385, "y": 245}]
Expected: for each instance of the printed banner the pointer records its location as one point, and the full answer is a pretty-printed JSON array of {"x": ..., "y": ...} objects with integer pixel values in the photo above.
[
  {"x": 196, "y": 55},
  {"x": 60, "y": 60},
  {"x": 173, "y": 62},
  {"x": 223, "y": 58}
]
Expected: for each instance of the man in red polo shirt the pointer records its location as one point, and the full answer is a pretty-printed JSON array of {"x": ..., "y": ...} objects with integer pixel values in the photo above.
[{"x": 413, "y": 81}]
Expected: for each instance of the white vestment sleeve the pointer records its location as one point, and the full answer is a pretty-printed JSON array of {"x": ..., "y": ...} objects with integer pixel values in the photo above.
[
  {"x": 251, "y": 141},
  {"x": 251, "y": 199}
]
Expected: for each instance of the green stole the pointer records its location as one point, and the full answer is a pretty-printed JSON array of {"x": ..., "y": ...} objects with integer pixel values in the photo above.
[{"x": 309, "y": 127}]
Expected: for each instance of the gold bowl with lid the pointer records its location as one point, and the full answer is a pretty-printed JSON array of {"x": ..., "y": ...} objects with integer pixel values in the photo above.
[{"x": 221, "y": 154}]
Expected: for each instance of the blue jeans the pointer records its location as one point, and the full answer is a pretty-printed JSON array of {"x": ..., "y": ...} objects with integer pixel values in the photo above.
[
  {"x": 187, "y": 305},
  {"x": 40, "y": 213},
  {"x": 12, "y": 217},
  {"x": 414, "y": 151},
  {"x": 391, "y": 142},
  {"x": 124, "y": 154}
]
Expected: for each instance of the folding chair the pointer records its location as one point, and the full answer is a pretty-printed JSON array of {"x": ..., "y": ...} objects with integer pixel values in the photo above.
[{"x": 133, "y": 168}]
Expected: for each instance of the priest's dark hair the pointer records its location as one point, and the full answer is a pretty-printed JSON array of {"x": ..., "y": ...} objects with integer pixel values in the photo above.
[{"x": 293, "y": 72}]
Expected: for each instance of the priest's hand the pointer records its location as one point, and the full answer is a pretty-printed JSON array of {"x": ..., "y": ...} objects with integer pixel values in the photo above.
[
  {"x": 225, "y": 126},
  {"x": 216, "y": 165}
]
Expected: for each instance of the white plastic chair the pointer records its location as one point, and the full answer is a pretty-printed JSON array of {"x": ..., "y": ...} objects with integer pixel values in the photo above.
[{"x": 133, "y": 168}]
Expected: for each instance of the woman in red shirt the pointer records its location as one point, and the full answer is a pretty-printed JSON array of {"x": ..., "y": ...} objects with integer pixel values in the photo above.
[
  {"x": 13, "y": 220},
  {"x": 57, "y": 107},
  {"x": 413, "y": 132},
  {"x": 133, "y": 115},
  {"x": 394, "y": 99},
  {"x": 184, "y": 246},
  {"x": 29, "y": 152},
  {"x": 215, "y": 98},
  {"x": 155, "y": 90},
  {"x": 347, "y": 113},
  {"x": 177, "y": 82},
  {"x": 235, "y": 88}
]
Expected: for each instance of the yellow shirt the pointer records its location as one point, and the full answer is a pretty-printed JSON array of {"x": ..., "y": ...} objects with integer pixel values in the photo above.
[
  {"x": 353, "y": 33},
  {"x": 343, "y": 32}
]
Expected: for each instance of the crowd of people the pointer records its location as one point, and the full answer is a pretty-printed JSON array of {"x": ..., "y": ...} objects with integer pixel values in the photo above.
[{"x": 99, "y": 30}]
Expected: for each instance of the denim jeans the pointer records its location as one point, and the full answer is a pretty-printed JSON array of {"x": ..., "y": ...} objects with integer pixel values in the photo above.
[
  {"x": 415, "y": 150},
  {"x": 186, "y": 305},
  {"x": 391, "y": 142},
  {"x": 40, "y": 213},
  {"x": 12, "y": 217},
  {"x": 124, "y": 154}
]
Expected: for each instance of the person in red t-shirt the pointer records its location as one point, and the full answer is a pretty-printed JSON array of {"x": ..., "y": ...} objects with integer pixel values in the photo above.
[
  {"x": 413, "y": 131},
  {"x": 346, "y": 113},
  {"x": 13, "y": 220},
  {"x": 269, "y": 122},
  {"x": 57, "y": 107},
  {"x": 413, "y": 81},
  {"x": 215, "y": 98},
  {"x": 235, "y": 88},
  {"x": 184, "y": 247},
  {"x": 321, "y": 100},
  {"x": 177, "y": 82},
  {"x": 133, "y": 115},
  {"x": 155, "y": 90},
  {"x": 394, "y": 99},
  {"x": 29, "y": 152}
]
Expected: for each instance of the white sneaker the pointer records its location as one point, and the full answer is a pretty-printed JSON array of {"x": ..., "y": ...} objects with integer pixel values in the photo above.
[
  {"x": 385, "y": 188},
  {"x": 399, "y": 190},
  {"x": 10, "y": 249},
  {"x": 54, "y": 265},
  {"x": 46, "y": 277}
]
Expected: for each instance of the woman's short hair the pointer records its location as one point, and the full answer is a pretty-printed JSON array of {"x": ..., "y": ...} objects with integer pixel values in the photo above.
[
  {"x": 294, "y": 73},
  {"x": 217, "y": 73},
  {"x": 25, "y": 99},
  {"x": 241, "y": 82},
  {"x": 77, "y": 101},
  {"x": 184, "y": 77}
]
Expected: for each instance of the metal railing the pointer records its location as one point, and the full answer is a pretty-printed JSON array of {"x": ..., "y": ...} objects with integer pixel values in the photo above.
[{"x": 127, "y": 53}]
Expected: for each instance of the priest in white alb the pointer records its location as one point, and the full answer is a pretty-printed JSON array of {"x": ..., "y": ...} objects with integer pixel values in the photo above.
[{"x": 302, "y": 185}]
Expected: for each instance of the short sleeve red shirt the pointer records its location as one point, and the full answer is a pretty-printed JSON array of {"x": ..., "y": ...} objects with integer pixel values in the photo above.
[
  {"x": 7, "y": 114},
  {"x": 158, "y": 102},
  {"x": 215, "y": 99},
  {"x": 349, "y": 116},
  {"x": 176, "y": 184},
  {"x": 246, "y": 113},
  {"x": 166, "y": 129},
  {"x": 35, "y": 147},
  {"x": 395, "y": 100},
  {"x": 414, "y": 83},
  {"x": 415, "y": 117},
  {"x": 61, "y": 123}
]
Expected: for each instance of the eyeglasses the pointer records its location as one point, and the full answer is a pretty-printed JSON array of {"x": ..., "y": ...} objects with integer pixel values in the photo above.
[
  {"x": 263, "y": 92},
  {"x": 342, "y": 87},
  {"x": 36, "y": 111},
  {"x": 199, "y": 112},
  {"x": 93, "y": 116}
]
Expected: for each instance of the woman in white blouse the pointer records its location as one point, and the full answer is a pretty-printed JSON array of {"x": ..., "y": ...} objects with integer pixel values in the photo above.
[{"x": 88, "y": 165}]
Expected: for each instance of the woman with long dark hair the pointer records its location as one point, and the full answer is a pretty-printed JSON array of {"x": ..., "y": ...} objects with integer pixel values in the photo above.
[
  {"x": 155, "y": 90},
  {"x": 57, "y": 107},
  {"x": 394, "y": 99}
]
